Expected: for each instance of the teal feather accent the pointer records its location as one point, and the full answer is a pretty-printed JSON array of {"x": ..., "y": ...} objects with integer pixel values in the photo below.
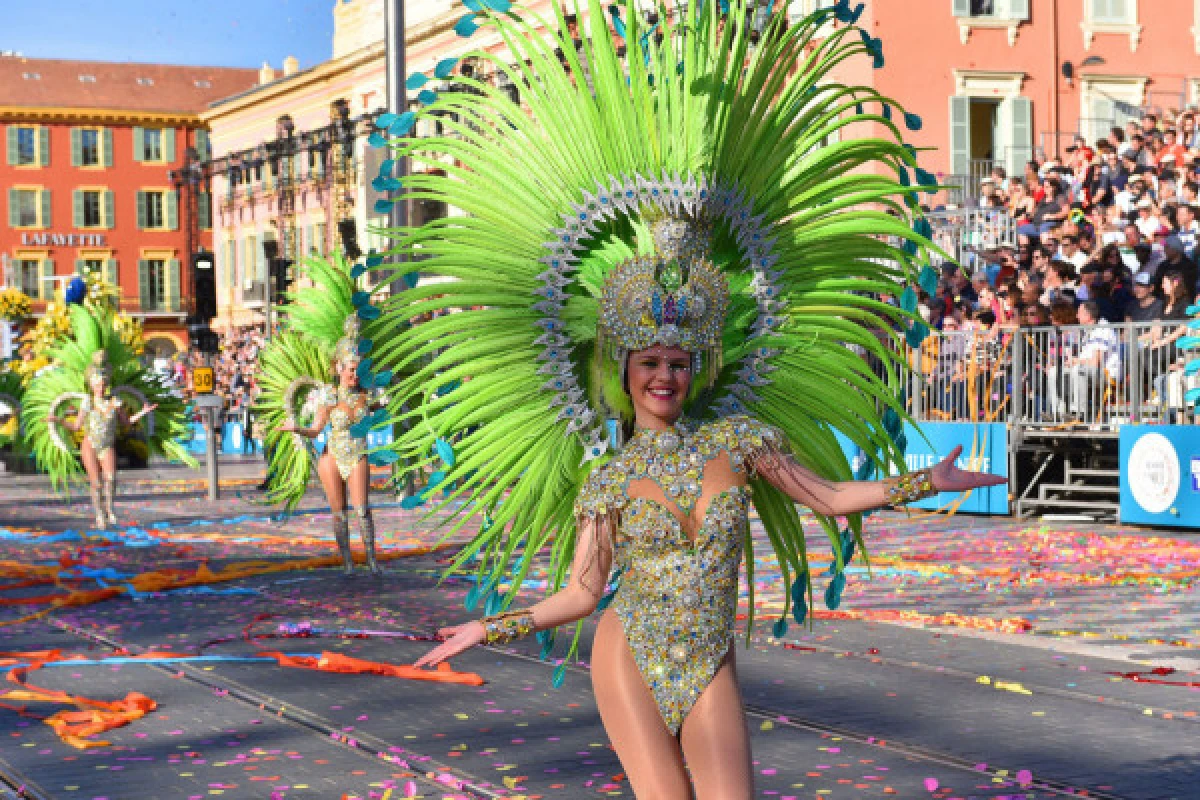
[
  {"x": 383, "y": 205},
  {"x": 385, "y": 119},
  {"x": 445, "y": 451},
  {"x": 560, "y": 675},
  {"x": 377, "y": 139},
  {"x": 416, "y": 81},
  {"x": 445, "y": 68},
  {"x": 780, "y": 628},
  {"x": 466, "y": 26}
]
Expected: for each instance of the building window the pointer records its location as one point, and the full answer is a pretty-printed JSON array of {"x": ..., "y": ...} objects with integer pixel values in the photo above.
[
  {"x": 26, "y": 147},
  {"x": 1111, "y": 16},
  {"x": 152, "y": 145},
  {"x": 90, "y": 265},
  {"x": 28, "y": 208},
  {"x": 154, "y": 284},
  {"x": 157, "y": 209},
  {"x": 89, "y": 147},
  {"x": 92, "y": 209},
  {"x": 25, "y": 207},
  {"x": 29, "y": 276}
]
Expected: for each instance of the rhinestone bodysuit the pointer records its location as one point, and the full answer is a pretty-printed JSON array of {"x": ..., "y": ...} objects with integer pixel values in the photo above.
[
  {"x": 100, "y": 422},
  {"x": 349, "y": 407},
  {"x": 678, "y": 596}
]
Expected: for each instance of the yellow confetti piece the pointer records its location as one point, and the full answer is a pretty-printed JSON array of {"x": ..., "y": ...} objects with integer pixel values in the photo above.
[
  {"x": 984, "y": 679},
  {"x": 1012, "y": 686},
  {"x": 1149, "y": 712},
  {"x": 767, "y": 726},
  {"x": 460, "y": 715}
]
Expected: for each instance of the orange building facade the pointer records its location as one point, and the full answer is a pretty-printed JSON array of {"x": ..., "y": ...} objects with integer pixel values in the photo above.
[
  {"x": 1003, "y": 81},
  {"x": 85, "y": 184}
]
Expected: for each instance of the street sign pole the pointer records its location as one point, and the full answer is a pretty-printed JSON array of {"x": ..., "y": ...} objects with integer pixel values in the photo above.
[
  {"x": 212, "y": 405},
  {"x": 214, "y": 480}
]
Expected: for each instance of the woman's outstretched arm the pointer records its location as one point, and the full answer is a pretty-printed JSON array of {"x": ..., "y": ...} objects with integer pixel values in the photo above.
[
  {"x": 319, "y": 423},
  {"x": 838, "y": 498},
  {"x": 578, "y": 599}
]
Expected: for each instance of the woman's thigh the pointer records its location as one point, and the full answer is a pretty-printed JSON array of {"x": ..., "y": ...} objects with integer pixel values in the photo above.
[
  {"x": 359, "y": 483},
  {"x": 331, "y": 480},
  {"x": 650, "y": 755},
  {"x": 715, "y": 740},
  {"x": 91, "y": 464},
  {"x": 108, "y": 462}
]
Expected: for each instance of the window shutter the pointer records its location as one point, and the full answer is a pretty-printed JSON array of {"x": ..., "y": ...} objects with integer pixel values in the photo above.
[
  {"x": 172, "y": 204},
  {"x": 260, "y": 259},
  {"x": 203, "y": 148},
  {"x": 169, "y": 145},
  {"x": 144, "y": 299},
  {"x": 46, "y": 287},
  {"x": 76, "y": 147},
  {"x": 173, "y": 285},
  {"x": 960, "y": 136},
  {"x": 962, "y": 8},
  {"x": 139, "y": 143},
  {"x": 141, "y": 211},
  {"x": 309, "y": 244},
  {"x": 204, "y": 210},
  {"x": 108, "y": 147},
  {"x": 13, "y": 218},
  {"x": 109, "y": 210},
  {"x": 79, "y": 265},
  {"x": 1020, "y": 134},
  {"x": 319, "y": 167},
  {"x": 11, "y": 132},
  {"x": 112, "y": 274},
  {"x": 44, "y": 145},
  {"x": 1018, "y": 9},
  {"x": 77, "y": 207},
  {"x": 47, "y": 217}
]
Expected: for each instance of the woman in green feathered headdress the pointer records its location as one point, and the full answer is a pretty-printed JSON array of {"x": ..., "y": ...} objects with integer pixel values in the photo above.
[
  {"x": 315, "y": 369},
  {"x": 92, "y": 385},
  {"x": 670, "y": 247}
]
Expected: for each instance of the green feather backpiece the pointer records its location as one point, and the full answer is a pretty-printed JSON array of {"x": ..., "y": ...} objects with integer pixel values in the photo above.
[
  {"x": 58, "y": 388},
  {"x": 810, "y": 223}
]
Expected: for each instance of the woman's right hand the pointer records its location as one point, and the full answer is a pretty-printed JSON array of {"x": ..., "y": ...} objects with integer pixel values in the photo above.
[{"x": 457, "y": 639}]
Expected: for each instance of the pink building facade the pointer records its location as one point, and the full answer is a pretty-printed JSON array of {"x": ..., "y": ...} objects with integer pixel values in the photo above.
[{"x": 1006, "y": 80}]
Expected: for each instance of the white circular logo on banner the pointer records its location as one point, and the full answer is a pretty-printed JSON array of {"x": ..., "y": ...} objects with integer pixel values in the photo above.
[{"x": 1154, "y": 473}]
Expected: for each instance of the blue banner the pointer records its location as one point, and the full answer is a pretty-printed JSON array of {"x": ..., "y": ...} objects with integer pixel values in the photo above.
[
  {"x": 1160, "y": 475},
  {"x": 985, "y": 449}
]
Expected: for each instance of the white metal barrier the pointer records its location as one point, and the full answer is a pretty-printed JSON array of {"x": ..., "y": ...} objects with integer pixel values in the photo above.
[{"x": 1096, "y": 377}]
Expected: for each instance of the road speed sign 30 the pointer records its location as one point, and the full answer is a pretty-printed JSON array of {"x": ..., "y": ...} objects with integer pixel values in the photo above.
[{"x": 202, "y": 380}]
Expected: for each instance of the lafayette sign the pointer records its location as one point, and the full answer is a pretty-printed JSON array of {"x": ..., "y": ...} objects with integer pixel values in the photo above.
[{"x": 64, "y": 239}]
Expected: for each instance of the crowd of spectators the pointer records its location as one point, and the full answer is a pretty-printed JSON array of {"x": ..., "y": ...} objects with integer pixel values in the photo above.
[{"x": 1106, "y": 235}]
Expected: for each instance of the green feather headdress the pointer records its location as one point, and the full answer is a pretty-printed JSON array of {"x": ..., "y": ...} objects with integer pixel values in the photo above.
[{"x": 687, "y": 116}]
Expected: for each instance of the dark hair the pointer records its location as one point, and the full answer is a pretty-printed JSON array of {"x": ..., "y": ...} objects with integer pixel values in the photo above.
[
  {"x": 986, "y": 317},
  {"x": 1118, "y": 134},
  {"x": 1093, "y": 308}
]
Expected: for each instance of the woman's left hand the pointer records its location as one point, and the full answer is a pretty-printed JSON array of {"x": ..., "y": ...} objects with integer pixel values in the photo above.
[
  {"x": 947, "y": 477},
  {"x": 146, "y": 409}
]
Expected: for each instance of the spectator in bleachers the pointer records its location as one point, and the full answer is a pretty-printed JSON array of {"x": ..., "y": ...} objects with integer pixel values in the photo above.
[
  {"x": 1146, "y": 306},
  {"x": 1187, "y": 228},
  {"x": 1082, "y": 374},
  {"x": 1175, "y": 258}
]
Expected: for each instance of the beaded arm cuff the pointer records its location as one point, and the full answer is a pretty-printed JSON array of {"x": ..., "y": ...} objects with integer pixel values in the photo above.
[
  {"x": 911, "y": 487},
  {"x": 507, "y": 626}
]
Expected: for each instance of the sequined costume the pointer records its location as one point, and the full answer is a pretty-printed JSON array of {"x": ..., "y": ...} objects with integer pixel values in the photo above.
[
  {"x": 349, "y": 408},
  {"x": 678, "y": 595},
  {"x": 100, "y": 422}
]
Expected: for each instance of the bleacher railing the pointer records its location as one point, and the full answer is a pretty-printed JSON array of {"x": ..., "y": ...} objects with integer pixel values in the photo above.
[
  {"x": 1093, "y": 377},
  {"x": 962, "y": 232}
]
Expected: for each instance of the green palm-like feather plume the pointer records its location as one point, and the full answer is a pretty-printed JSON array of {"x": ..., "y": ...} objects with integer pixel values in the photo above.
[
  {"x": 556, "y": 193},
  {"x": 12, "y": 393},
  {"x": 93, "y": 330}
]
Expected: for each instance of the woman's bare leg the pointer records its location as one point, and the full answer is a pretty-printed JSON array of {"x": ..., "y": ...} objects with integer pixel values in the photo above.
[
  {"x": 360, "y": 485},
  {"x": 716, "y": 742},
  {"x": 91, "y": 465},
  {"x": 335, "y": 493},
  {"x": 651, "y": 756},
  {"x": 108, "y": 467}
]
